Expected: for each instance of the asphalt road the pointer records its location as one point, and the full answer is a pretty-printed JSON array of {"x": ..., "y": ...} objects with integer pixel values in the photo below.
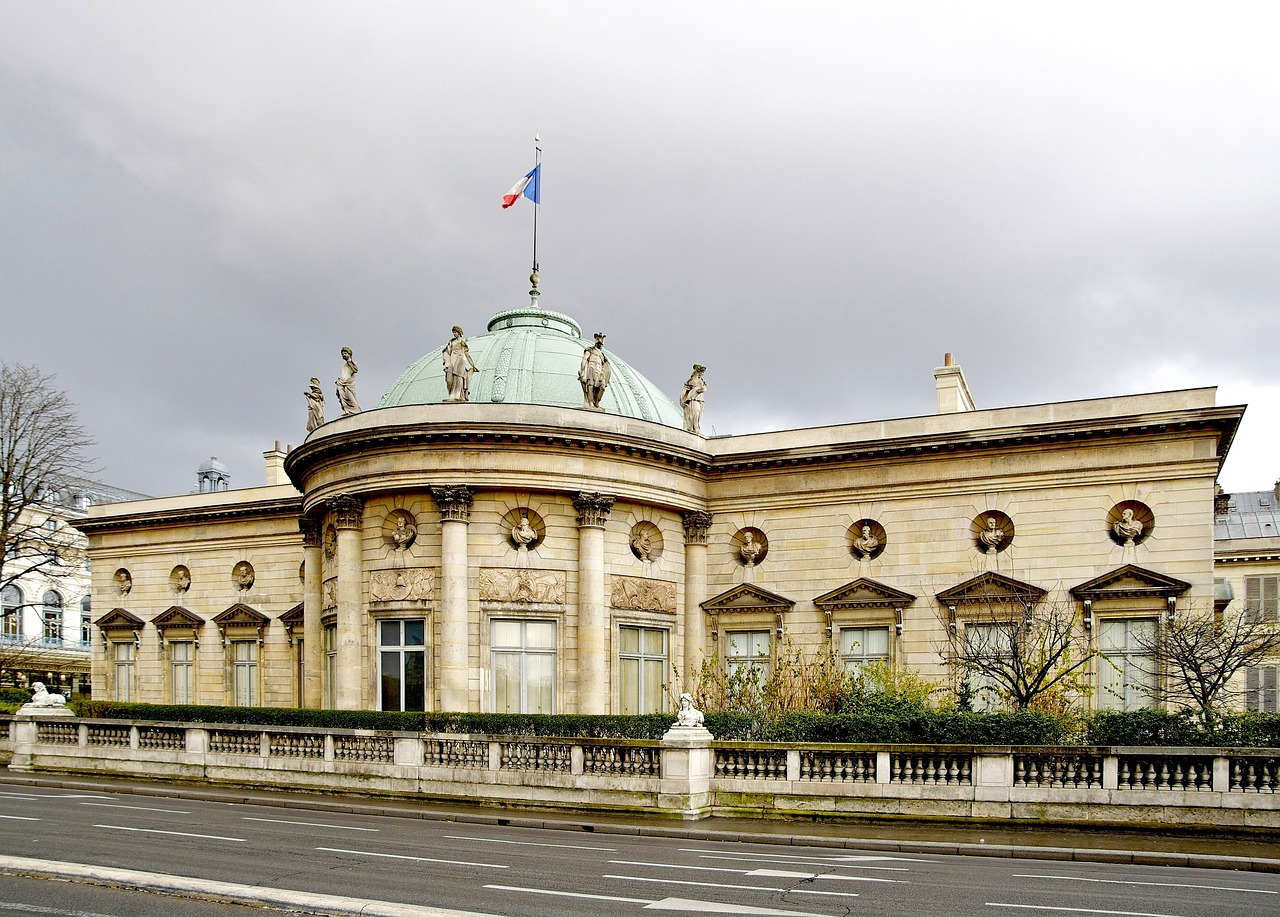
[{"x": 517, "y": 871}]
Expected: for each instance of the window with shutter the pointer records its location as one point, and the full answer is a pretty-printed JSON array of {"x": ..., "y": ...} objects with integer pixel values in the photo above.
[{"x": 1262, "y": 598}]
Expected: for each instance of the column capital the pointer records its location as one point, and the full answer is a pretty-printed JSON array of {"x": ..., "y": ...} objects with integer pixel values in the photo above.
[
  {"x": 346, "y": 510},
  {"x": 311, "y": 530},
  {"x": 454, "y": 501},
  {"x": 593, "y": 509},
  {"x": 696, "y": 524}
]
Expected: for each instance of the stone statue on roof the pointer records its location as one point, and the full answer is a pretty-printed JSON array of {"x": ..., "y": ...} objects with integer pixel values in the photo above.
[{"x": 593, "y": 373}]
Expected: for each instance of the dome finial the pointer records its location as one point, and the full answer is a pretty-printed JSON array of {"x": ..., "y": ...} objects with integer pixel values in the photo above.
[{"x": 533, "y": 292}]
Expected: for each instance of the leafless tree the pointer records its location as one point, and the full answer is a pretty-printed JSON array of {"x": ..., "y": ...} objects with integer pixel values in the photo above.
[
  {"x": 1201, "y": 654},
  {"x": 1016, "y": 651},
  {"x": 43, "y": 448}
]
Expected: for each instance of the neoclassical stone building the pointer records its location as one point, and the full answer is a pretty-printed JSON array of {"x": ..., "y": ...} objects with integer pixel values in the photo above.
[{"x": 518, "y": 552}]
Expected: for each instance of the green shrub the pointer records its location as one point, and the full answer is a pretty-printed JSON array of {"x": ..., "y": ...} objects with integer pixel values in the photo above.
[{"x": 15, "y": 696}]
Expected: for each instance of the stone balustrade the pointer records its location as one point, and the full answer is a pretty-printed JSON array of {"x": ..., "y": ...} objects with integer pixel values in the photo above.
[{"x": 686, "y": 774}]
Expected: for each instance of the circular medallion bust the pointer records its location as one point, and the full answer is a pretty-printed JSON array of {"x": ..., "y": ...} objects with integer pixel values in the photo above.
[
  {"x": 523, "y": 528},
  {"x": 992, "y": 532},
  {"x": 400, "y": 529},
  {"x": 646, "y": 541},
  {"x": 180, "y": 579},
  {"x": 866, "y": 539},
  {"x": 751, "y": 546},
  {"x": 1130, "y": 522}
]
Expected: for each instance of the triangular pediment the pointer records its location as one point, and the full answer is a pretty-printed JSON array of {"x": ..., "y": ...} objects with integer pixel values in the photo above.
[
  {"x": 177, "y": 616},
  {"x": 241, "y": 615},
  {"x": 119, "y": 619},
  {"x": 1129, "y": 582},
  {"x": 863, "y": 593},
  {"x": 747, "y": 598},
  {"x": 991, "y": 588},
  {"x": 293, "y": 617}
]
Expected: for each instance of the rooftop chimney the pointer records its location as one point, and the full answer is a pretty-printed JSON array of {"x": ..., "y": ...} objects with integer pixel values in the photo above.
[
  {"x": 953, "y": 390},
  {"x": 275, "y": 465}
]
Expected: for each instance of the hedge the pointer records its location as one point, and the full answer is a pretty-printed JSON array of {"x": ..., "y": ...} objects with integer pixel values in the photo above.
[{"x": 889, "y": 723}]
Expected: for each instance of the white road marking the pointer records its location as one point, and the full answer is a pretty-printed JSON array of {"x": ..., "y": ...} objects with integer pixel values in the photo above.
[
  {"x": 801, "y": 860},
  {"x": 38, "y": 909},
  {"x": 752, "y": 888},
  {"x": 203, "y": 837},
  {"x": 494, "y": 840},
  {"x": 687, "y": 905},
  {"x": 675, "y": 866},
  {"x": 309, "y": 824},
  {"x": 1214, "y": 888},
  {"x": 788, "y": 874},
  {"x": 401, "y": 856},
  {"x": 1079, "y": 910},
  {"x": 112, "y": 805},
  {"x": 19, "y": 817},
  {"x": 20, "y": 795},
  {"x": 56, "y": 795},
  {"x": 841, "y": 858}
]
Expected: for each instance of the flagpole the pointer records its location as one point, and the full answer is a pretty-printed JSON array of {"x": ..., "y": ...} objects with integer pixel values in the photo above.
[{"x": 536, "y": 164}]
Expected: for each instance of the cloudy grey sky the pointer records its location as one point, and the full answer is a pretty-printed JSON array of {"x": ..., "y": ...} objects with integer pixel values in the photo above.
[{"x": 200, "y": 203}]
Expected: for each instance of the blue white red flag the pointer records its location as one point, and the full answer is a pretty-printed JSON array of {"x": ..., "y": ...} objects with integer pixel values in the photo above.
[{"x": 525, "y": 187}]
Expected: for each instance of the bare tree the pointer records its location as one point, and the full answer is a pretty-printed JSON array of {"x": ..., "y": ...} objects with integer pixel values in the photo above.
[
  {"x": 43, "y": 448},
  {"x": 1017, "y": 651},
  {"x": 1201, "y": 654}
]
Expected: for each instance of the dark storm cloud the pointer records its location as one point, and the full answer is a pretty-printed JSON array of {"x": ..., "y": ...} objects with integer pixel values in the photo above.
[{"x": 203, "y": 202}]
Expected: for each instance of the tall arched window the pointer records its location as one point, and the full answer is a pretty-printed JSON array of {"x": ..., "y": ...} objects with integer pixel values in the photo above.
[
  {"x": 52, "y": 615},
  {"x": 11, "y": 628}
]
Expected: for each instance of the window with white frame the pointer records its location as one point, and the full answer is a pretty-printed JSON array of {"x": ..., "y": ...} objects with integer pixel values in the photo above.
[
  {"x": 402, "y": 664},
  {"x": 523, "y": 666},
  {"x": 1260, "y": 682},
  {"x": 11, "y": 629},
  {"x": 330, "y": 664},
  {"x": 122, "y": 666},
  {"x": 1126, "y": 666},
  {"x": 642, "y": 670},
  {"x": 86, "y": 627},
  {"x": 1262, "y": 598},
  {"x": 51, "y": 616},
  {"x": 181, "y": 671},
  {"x": 746, "y": 650},
  {"x": 861, "y": 645},
  {"x": 987, "y": 647},
  {"x": 244, "y": 673}
]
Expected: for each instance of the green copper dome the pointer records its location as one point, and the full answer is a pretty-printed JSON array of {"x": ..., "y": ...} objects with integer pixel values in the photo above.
[{"x": 531, "y": 356}]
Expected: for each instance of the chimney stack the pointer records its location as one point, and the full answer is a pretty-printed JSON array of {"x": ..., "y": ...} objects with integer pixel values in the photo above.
[
  {"x": 953, "y": 390},
  {"x": 275, "y": 465}
]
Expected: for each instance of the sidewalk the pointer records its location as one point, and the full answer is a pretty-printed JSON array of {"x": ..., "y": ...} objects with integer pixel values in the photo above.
[{"x": 1174, "y": 847}]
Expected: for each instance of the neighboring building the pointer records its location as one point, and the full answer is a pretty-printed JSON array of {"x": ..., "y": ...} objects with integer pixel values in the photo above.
[
  {"x": 521, "y": 553},
  {"x": 1247, "y": 546},
  {"x": 45, "y": 627}
]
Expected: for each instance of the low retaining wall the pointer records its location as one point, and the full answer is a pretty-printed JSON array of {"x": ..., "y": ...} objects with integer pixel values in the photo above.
[{"x": 687, "y": 774}]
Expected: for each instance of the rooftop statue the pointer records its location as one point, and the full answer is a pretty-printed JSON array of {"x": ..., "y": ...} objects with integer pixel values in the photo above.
[
  {"x": 458, "y": 367},
  {"x": 594, "y": 374},
  {"x": 692, "y": 398},
  {"x": 347, "y": 384},
  {"x": 315, "y": 405}
]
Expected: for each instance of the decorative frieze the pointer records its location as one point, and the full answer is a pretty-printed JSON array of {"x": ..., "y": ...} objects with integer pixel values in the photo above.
[
  {"x": 454, "y": 501},
  {"x": 540, "y": 587},
  {"x": 637, "y": 593},
  {"x": 593, "y": 509},
  {"x": 417, "y": 585},
  {"x": 696, "y": 525}
]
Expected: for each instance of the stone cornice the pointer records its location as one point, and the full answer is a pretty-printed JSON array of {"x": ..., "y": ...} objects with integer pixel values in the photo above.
[{"x": 203, "y": 515}]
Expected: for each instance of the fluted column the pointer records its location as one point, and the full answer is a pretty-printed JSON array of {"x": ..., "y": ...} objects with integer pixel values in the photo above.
[
  {"x": 312, "y": 608},
  {"x": 348, "y": 514},
  {"x": 696, "y": 524},
  {"x": 593, "y": 620},
  {"x": 455, "y": 513}
]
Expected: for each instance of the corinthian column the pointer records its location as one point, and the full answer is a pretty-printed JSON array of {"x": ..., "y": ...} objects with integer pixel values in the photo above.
[
  {"x": 347, "y": 518},
  {"x": 455, "y": 512},
  {"x": 312, "y": 605},
  {"x": 593, "y": 639},
  {"x": 696, "y": 524}
]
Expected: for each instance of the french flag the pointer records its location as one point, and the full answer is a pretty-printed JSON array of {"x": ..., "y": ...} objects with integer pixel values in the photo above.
[{"x": 525, "y": 187}]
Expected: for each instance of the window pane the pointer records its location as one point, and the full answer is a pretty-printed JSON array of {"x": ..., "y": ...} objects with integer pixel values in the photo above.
[
  {"x": 390, "y": 681},
  {"x": 540, "y": 692},
  {"x": 655, "y": 642},
  {"x": 629, "y": 689},
  {"x": 629, "y": 639},
  {"x": 506, "y": 682},
  {"x": 541, "y": 635},
  {"x": 389, "y": 633},
  {"x": 414, "y": 633},
  {"x": 415, "y": 681},
  {"x": 506, "y": 633},
  {"x": 654, "y": 693}
]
